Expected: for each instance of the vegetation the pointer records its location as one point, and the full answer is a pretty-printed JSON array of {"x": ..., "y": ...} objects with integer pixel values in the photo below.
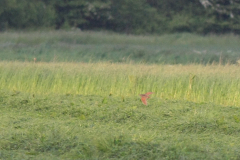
[
  {"x": 125, "y": 16},
  {"x": 74, "y": 46},
  {"x": 218, "y": 84},
  {"x": 93, "y": 111},
  {"x": 54, "y": 105}
]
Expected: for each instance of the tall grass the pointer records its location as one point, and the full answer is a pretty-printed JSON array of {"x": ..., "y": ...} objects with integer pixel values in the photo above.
[
  {"x": 65, "y": 46},
  {"x": 198, "y": 83}
]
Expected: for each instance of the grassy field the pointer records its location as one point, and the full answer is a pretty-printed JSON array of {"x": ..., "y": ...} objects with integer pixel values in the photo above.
[
  {"x": 80, "y": 101},
  {"x": 91, "y": 127},
  {"x": 73, "y": 46},
  {"x": 198, "y": 83},
  {"x": 93, "y": 111}
]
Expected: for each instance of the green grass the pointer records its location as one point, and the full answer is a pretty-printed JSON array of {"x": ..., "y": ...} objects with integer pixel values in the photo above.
[
  {"x": 98, "y": 127},
  {"x": 93, "y": 111},
  {"x": 69, "y": 109},
  {"x": 197, "y": 83},
  {"x": 65, "y": 46}
]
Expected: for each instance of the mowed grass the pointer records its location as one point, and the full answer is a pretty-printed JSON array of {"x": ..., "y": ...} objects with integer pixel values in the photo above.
[
  {"x": 93, "y": 111},
  {"x": 98, "y": 127}
]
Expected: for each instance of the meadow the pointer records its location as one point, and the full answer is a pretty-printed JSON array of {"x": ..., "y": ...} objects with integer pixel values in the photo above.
[
  {"x": 77, "y": 46},
  {"x": 63, "y": 107}
]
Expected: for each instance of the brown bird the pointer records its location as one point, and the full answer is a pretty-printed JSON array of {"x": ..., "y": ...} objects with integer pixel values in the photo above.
[{"x": 145, "y": 96}]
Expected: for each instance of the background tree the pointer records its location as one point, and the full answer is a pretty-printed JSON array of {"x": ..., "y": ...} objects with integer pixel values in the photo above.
[
  {"x": 133, "y": 16},
  {"x": 25, "y": 14},
  {"x": 126, "y": 16},
  {"x": 181, "y": 16},
  {"x": 82, "y": 14},
  {"x": 225, "y": 15}
]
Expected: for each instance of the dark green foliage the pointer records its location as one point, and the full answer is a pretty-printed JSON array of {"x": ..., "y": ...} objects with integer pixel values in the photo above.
[
  {"x": 183, "y": 16},
  {"x": 70, "y": 13},
  {"x": 223, "y": 16},
  {"x": 133, "y": 16},
  {"x": 25, "y": 14},
  {"x": 125, "y": 16}
]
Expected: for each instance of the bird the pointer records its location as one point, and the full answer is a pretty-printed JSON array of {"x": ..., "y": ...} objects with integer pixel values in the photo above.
[{"x": 144, "y": 97}]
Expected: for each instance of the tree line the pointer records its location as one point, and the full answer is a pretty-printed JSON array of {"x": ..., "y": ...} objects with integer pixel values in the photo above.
[{"x": 124, "y": 16}]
